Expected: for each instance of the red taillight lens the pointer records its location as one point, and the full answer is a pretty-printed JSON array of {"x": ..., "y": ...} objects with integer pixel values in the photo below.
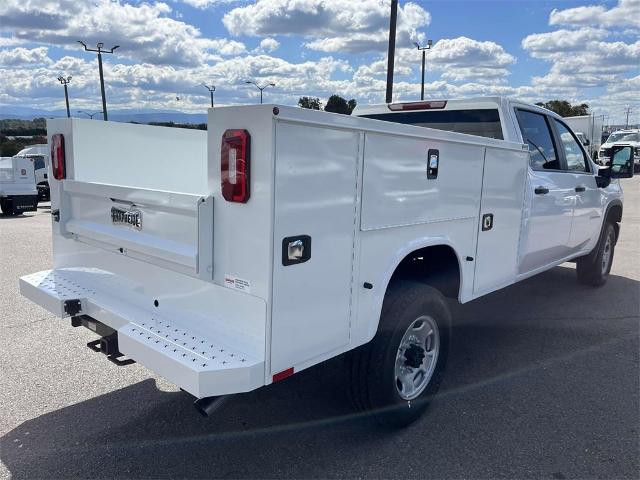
[
  {"x": 433, "y": 105},
  {"x": 234, "y": 165},
  {"x": 57, "y": 157}
]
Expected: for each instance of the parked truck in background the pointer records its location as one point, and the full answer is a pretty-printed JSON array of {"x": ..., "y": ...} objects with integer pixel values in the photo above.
[
  {"x": 40, "y": 155},
  {"x": 590, "y": 126},
  {"x": 18, "y": 193},
  {"x": 230, "y": 259},
  {"x": 621, "y": 137}
]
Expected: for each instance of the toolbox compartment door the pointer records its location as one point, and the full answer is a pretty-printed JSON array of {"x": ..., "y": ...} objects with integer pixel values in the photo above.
[
  {"x": 315, "y": 197},
  {"x": 500, "y": 219}
]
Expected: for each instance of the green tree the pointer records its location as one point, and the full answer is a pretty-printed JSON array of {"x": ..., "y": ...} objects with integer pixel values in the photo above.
[
  {"x": 564, "y": 108},
  {"x": 312, "y": 103},
  {"x": 337, "y": 104}
]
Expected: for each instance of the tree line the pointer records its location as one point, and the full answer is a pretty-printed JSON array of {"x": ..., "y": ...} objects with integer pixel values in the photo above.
[{"x": 335, "y": 104}]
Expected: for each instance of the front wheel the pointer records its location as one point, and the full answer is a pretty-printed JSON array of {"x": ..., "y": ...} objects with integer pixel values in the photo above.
[
  {"x": 593, "y": 269},
  {"x": 396, "y": 375}
]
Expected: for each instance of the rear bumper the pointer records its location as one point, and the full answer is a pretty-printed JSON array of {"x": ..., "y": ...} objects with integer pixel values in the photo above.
[
  {"x": 22, "y": 203},
  {"x": 203, "y": 366}
]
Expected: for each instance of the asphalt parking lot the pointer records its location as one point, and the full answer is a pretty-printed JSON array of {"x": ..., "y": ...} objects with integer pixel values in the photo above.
[{"x": 543, "y": 382}]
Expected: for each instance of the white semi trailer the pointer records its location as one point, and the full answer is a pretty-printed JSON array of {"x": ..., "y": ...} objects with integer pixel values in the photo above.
[
  {"x": 229, "y": 260},
  {"x": 590, "y": 126}
]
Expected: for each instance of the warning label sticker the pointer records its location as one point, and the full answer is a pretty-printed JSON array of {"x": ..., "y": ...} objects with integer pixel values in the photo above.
[{"x": 231, "y": 281}]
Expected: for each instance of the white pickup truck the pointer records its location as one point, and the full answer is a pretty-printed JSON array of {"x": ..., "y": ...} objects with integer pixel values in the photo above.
[
  {"x": 18, "y": 193},
  {"x": 39, "y": 153},
  {"x": 230, "y": 259},
  {"x": 621, "y": 137}
]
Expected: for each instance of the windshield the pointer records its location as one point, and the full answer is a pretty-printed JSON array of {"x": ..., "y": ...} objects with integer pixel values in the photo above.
[
  {"x": 480, "y": 122},
  {"x": 624, "y": 137}
]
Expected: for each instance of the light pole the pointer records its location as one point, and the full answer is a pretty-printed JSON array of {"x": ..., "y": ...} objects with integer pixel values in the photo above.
[
  {"x": 424, "y": 51},
  {"x": 392, "y": 49},
  {"x": 65, "y": 82},
  {"x": 627, "y": 111},
  {"x": 261, "y": 88},
  {"x": 100, "y": 51},
  {"x": 90, "y": 115},
  {"x": 211, "y": 89}
]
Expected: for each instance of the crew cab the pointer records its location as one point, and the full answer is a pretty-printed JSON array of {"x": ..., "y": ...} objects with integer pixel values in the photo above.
[
  {"x": 18, "y": 193},
  {"x": 230, "y": 259},
  {"x": 621, "y": 137}
]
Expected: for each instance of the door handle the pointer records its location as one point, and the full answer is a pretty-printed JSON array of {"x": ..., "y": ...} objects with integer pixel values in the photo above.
[
  {"x": 541, "y": 190},
  {"x": 581, "y": 188}
]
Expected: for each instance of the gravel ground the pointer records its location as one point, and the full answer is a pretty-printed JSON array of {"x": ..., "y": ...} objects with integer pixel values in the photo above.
[{"x": 543, "y": 382}]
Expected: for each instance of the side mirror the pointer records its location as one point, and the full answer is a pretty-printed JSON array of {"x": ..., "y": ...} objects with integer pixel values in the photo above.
[
  {"x": 586, "y": 142},
  {"x": 621, "y": 165}
]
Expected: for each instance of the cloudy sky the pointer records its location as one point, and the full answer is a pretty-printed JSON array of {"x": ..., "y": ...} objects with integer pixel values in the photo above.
[{"x": 537, "y": 50}]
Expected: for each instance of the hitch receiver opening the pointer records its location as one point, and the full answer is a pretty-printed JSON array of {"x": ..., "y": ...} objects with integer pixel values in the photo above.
[{"x": 72, "y": 307}]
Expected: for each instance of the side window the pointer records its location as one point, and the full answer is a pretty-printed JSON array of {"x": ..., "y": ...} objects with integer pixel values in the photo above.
[
  {"x": 536, "y": 132},
  {"x": 576, "y": 161}
]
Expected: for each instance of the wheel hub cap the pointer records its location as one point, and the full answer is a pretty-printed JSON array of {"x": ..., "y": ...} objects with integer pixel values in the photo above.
[
  {"x": 417, "y": 357},
  {"x": 414, "y": 355}
]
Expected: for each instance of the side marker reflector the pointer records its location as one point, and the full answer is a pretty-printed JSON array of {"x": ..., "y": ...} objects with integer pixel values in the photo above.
[{"x": 282, "y": 375}]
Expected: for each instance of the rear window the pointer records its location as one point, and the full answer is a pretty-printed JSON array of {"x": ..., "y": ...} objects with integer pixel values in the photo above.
[
  {"x": 479, "y": 122},
  {"x": 38, "y": 162}
]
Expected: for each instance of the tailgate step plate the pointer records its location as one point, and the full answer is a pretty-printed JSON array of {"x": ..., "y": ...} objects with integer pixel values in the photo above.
[{"x": 203, "y": 366}]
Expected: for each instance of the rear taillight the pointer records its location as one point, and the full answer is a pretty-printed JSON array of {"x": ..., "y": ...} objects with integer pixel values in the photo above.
[
  {"x": 234, "y": 165},
  {"x": 57, "y": 157},
  {"x": 433, "y": 105}
]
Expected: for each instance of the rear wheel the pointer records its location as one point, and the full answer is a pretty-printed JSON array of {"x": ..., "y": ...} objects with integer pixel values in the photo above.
[
  {"x": 593, "y": 269},
  {"x": 7, "y": 207},
  {"x": 397, "y": 374}
]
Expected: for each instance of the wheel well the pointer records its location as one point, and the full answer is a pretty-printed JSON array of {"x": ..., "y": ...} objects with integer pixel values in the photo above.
[
  {"x": 436, "y": 266},
  {"x": 614, "y": 215}
]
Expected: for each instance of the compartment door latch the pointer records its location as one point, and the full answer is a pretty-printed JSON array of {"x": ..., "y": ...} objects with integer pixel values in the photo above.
[{"x": 296, "y": 249}]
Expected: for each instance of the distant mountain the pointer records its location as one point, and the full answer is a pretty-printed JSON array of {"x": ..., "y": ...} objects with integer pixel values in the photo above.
[{"x": 141, "y": 116}]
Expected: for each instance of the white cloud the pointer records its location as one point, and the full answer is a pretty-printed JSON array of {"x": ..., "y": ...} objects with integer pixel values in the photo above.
[
  {"x": 541, "y": 45},
  {"x": 465, "y": 54},
  {"x": 625, "y": 14},
  {"x": 269, "y": 45},
  {"x": 592, "y": 52},
  {"x": 582, "y": 57},
  {"x": 144, "y": 31},
  {"x": 24, "y": 56},
  {"x": 204, "y": 4},
  {"x": 9, "y": 42},
  {"x": 163, "y": 56},
  {"x": 330, "y": 25}
]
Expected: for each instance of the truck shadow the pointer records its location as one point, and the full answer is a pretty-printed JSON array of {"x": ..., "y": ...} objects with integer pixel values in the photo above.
[{"x": 304, "y": 426}]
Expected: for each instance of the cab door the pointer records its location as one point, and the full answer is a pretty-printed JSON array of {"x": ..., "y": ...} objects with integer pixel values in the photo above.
[
  {"x": 587, "y": 210},
  {"x": 550, "y": 196}
]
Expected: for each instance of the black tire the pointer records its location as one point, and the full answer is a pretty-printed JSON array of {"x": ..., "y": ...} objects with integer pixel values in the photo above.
[
  {"x": 373, "y": 380},
  {"x": 7, "y": 208},
  {"x": 593, "y": 269}
]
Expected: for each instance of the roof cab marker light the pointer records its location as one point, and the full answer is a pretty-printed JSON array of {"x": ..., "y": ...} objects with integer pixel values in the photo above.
[
  {"x": 58, "y": 159},
  {"x": 234, "y": 165},
  {"x": 435, "y": 105}
]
